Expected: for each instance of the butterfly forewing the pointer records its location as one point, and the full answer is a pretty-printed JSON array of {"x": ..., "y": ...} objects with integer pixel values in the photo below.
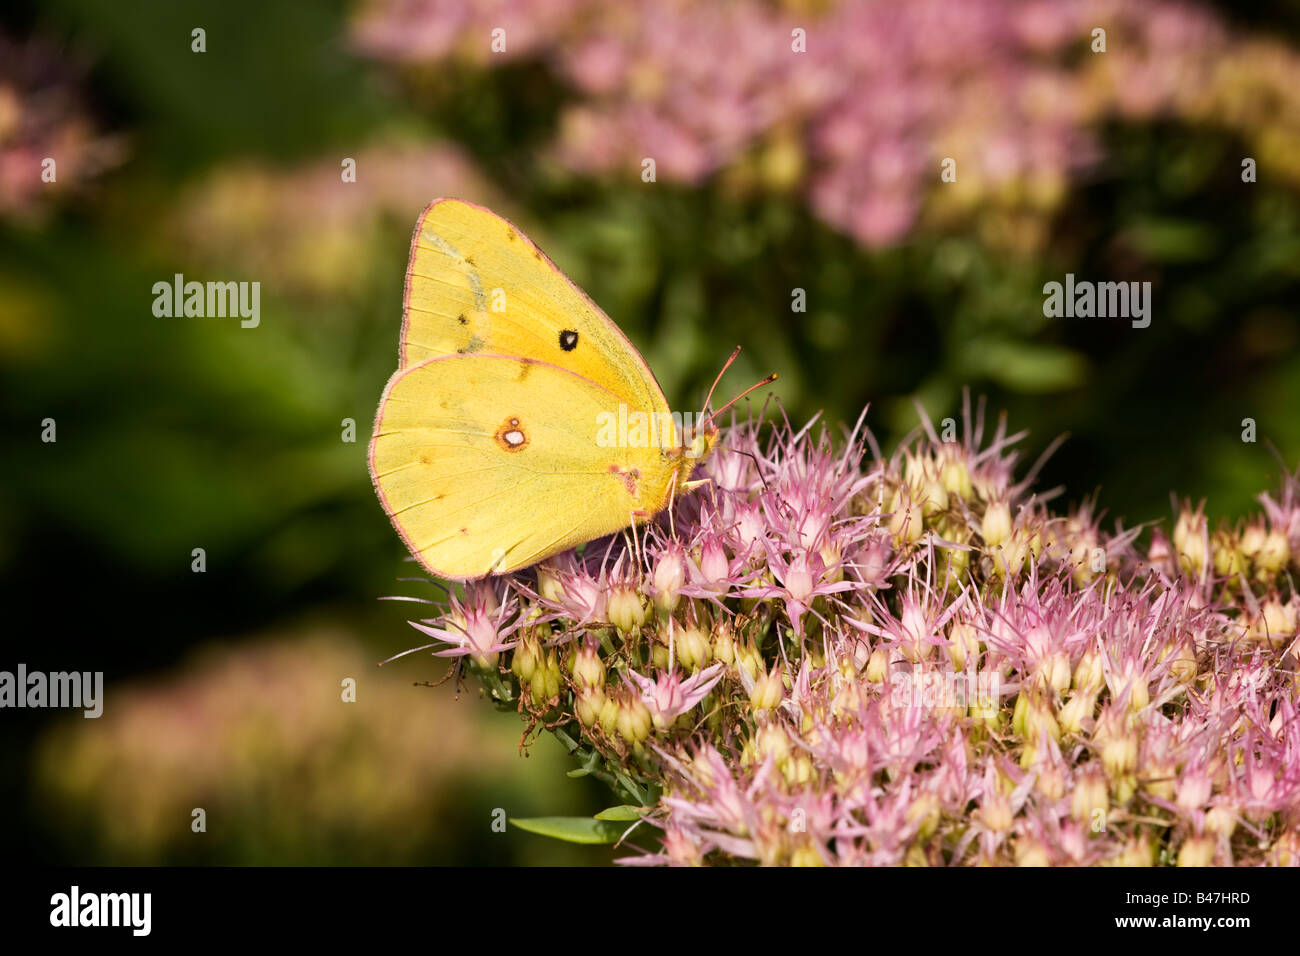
[{"x": 477, "y": 285}]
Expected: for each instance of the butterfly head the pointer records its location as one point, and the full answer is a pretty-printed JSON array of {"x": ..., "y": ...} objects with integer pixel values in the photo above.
[{"x": 698, "y": 442}]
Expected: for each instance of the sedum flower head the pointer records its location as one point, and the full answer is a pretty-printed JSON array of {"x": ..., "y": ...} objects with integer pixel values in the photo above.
[{"x": 779, "y": 676}]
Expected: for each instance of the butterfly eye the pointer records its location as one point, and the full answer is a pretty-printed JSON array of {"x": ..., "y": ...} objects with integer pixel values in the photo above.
[{"x": 568, "y": 340}]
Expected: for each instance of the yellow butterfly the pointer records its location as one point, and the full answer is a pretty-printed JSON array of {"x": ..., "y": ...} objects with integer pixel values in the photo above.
[{"x": 521, "y": 421}]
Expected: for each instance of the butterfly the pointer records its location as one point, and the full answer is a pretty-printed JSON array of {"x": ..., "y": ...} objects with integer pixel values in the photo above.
[{"x": 520, "y": 422}]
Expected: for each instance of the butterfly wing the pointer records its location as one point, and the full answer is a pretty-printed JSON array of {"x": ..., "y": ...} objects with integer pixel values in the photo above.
[
  {"x": 490, "y": 463},
  {"x": 477, "y": 285}
]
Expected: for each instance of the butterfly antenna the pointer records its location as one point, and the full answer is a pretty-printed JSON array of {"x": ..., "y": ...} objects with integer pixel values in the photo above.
[
  {"x": 672, "y": 494},
  {"x": 725, "y": 365},
  {"x": 752, "y": 457},
  {"x": 757, "y": 385},
  {"x": 636, "y": 546}
]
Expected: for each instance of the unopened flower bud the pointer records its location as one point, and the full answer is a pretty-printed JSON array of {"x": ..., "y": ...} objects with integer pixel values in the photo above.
[
  {"x": 1119, "y": 747},
  {"x": 1079, "y": 708},
  {"x": 625, "y": 608},
  {"x": 996, "y": 813},
  {"x": 1273, "y": 554},
  {"x": 772, "y": 741},
  {"x": 1229, "y": 561},
  {"x": 1276, "y": 623},
  {"x": 749, "y": 660},
  {"x": 1286, "y": 851},
  {"x": 1009, "y": 556},
  {"x": 1091, "y": 798},
  {"x": 549, "y": 586},
  {"x": 1221, "y": 819},
  {"x": 713, "y": 560},
  {"x": 955, "y": 478},
  {"x": 1190, "y": 542},
  {"x": 527, "y": 653},
  {"x": 1183, "y": 667},
  {"x": 906, "y": 524},
  {"x": 588, "y": 668},
  {"x": 724, "y": 645},
  {"x": 634, "y": 720},
  {"x": 1088, "y": 672},
  {"x": 996, "y": 525},
  {"x": 1138, "y": 851},
  {"x": 1197, "y": 851},
  {"x": 1031, "y": 852},
  {"x": 1051, "y": 781},
  {"x": 1252, "y": 539},
  {"x": 878, "y": 666},
  {"x": 964, "y": 644},
  {"x": 1040, "y": 720},
  {"x": 805, "y": 855},
  {"x": 692, "y": 647},
  {"x": 588, "y": 705},
  {"x": 609, "y": 711},
  {"x": 669, "y": 576},
  {"x": 768, "y": 691},
  {"x": 924, "y": 810}
]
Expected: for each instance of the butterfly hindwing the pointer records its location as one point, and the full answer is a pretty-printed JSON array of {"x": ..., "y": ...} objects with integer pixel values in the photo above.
[{"x": 489, "y": 463}]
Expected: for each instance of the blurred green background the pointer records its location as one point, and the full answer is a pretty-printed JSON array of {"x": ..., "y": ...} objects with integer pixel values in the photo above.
[{"x": 774, "y": 173}]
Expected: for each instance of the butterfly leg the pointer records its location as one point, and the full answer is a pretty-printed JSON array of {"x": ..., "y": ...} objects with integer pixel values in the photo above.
[{"x": 635, "y": 517}]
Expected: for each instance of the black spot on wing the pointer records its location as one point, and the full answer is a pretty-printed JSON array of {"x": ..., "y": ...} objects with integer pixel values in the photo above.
[{"x": 568, "y": 340}]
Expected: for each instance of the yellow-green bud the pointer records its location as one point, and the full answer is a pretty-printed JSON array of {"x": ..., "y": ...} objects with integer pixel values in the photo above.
[
  {"x": 1190, "y": 542},
  {"x": 549, "y": 586},
  {"x": 1077, "y": 709},
  {"x": 1031, "y": 852},
  {"x": 768, "y": 691},
  {"x": 669, "y": 576},
  {"x": 1276, "y": 623},
  {"x": 1273, "y": 554},
  {"x": 527, "y": 654},
  {"x": 1119, "y": 748},
  {"x": 693, "y": 647},
  {"x": 1090, "y": 796},
  {"x": 724, "y": 645},
  {"x": 1197, "y": 851},
  {"x": 588, "y": 705},
  {"x": 1252, "y": 539},
  {"x": 1089, "y": 673},
  {"x": 878, "y": 666},
  {"x": 634, "y": 720},
  {"x": 906, "y": 524},
  {"x": 609, "y": 712},
  {"x": 996, "y": 525},
  {"x": 588, "y": 668},
  {"x": 626, "y": 609},
  {"x": 955, "y": 478}
]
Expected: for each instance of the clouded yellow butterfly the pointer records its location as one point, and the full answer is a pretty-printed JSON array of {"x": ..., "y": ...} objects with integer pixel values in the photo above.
[{"x": 520, "y": 421}]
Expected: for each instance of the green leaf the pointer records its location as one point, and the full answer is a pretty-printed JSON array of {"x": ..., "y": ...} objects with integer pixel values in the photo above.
[
  {"x": 1031, "y": 368},
  {"x": 626, "y": 813},
  {"x": 573, "y": 829},
  {"x": 580, "y": 772},
  {"x": 1172, "y": 240}
]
